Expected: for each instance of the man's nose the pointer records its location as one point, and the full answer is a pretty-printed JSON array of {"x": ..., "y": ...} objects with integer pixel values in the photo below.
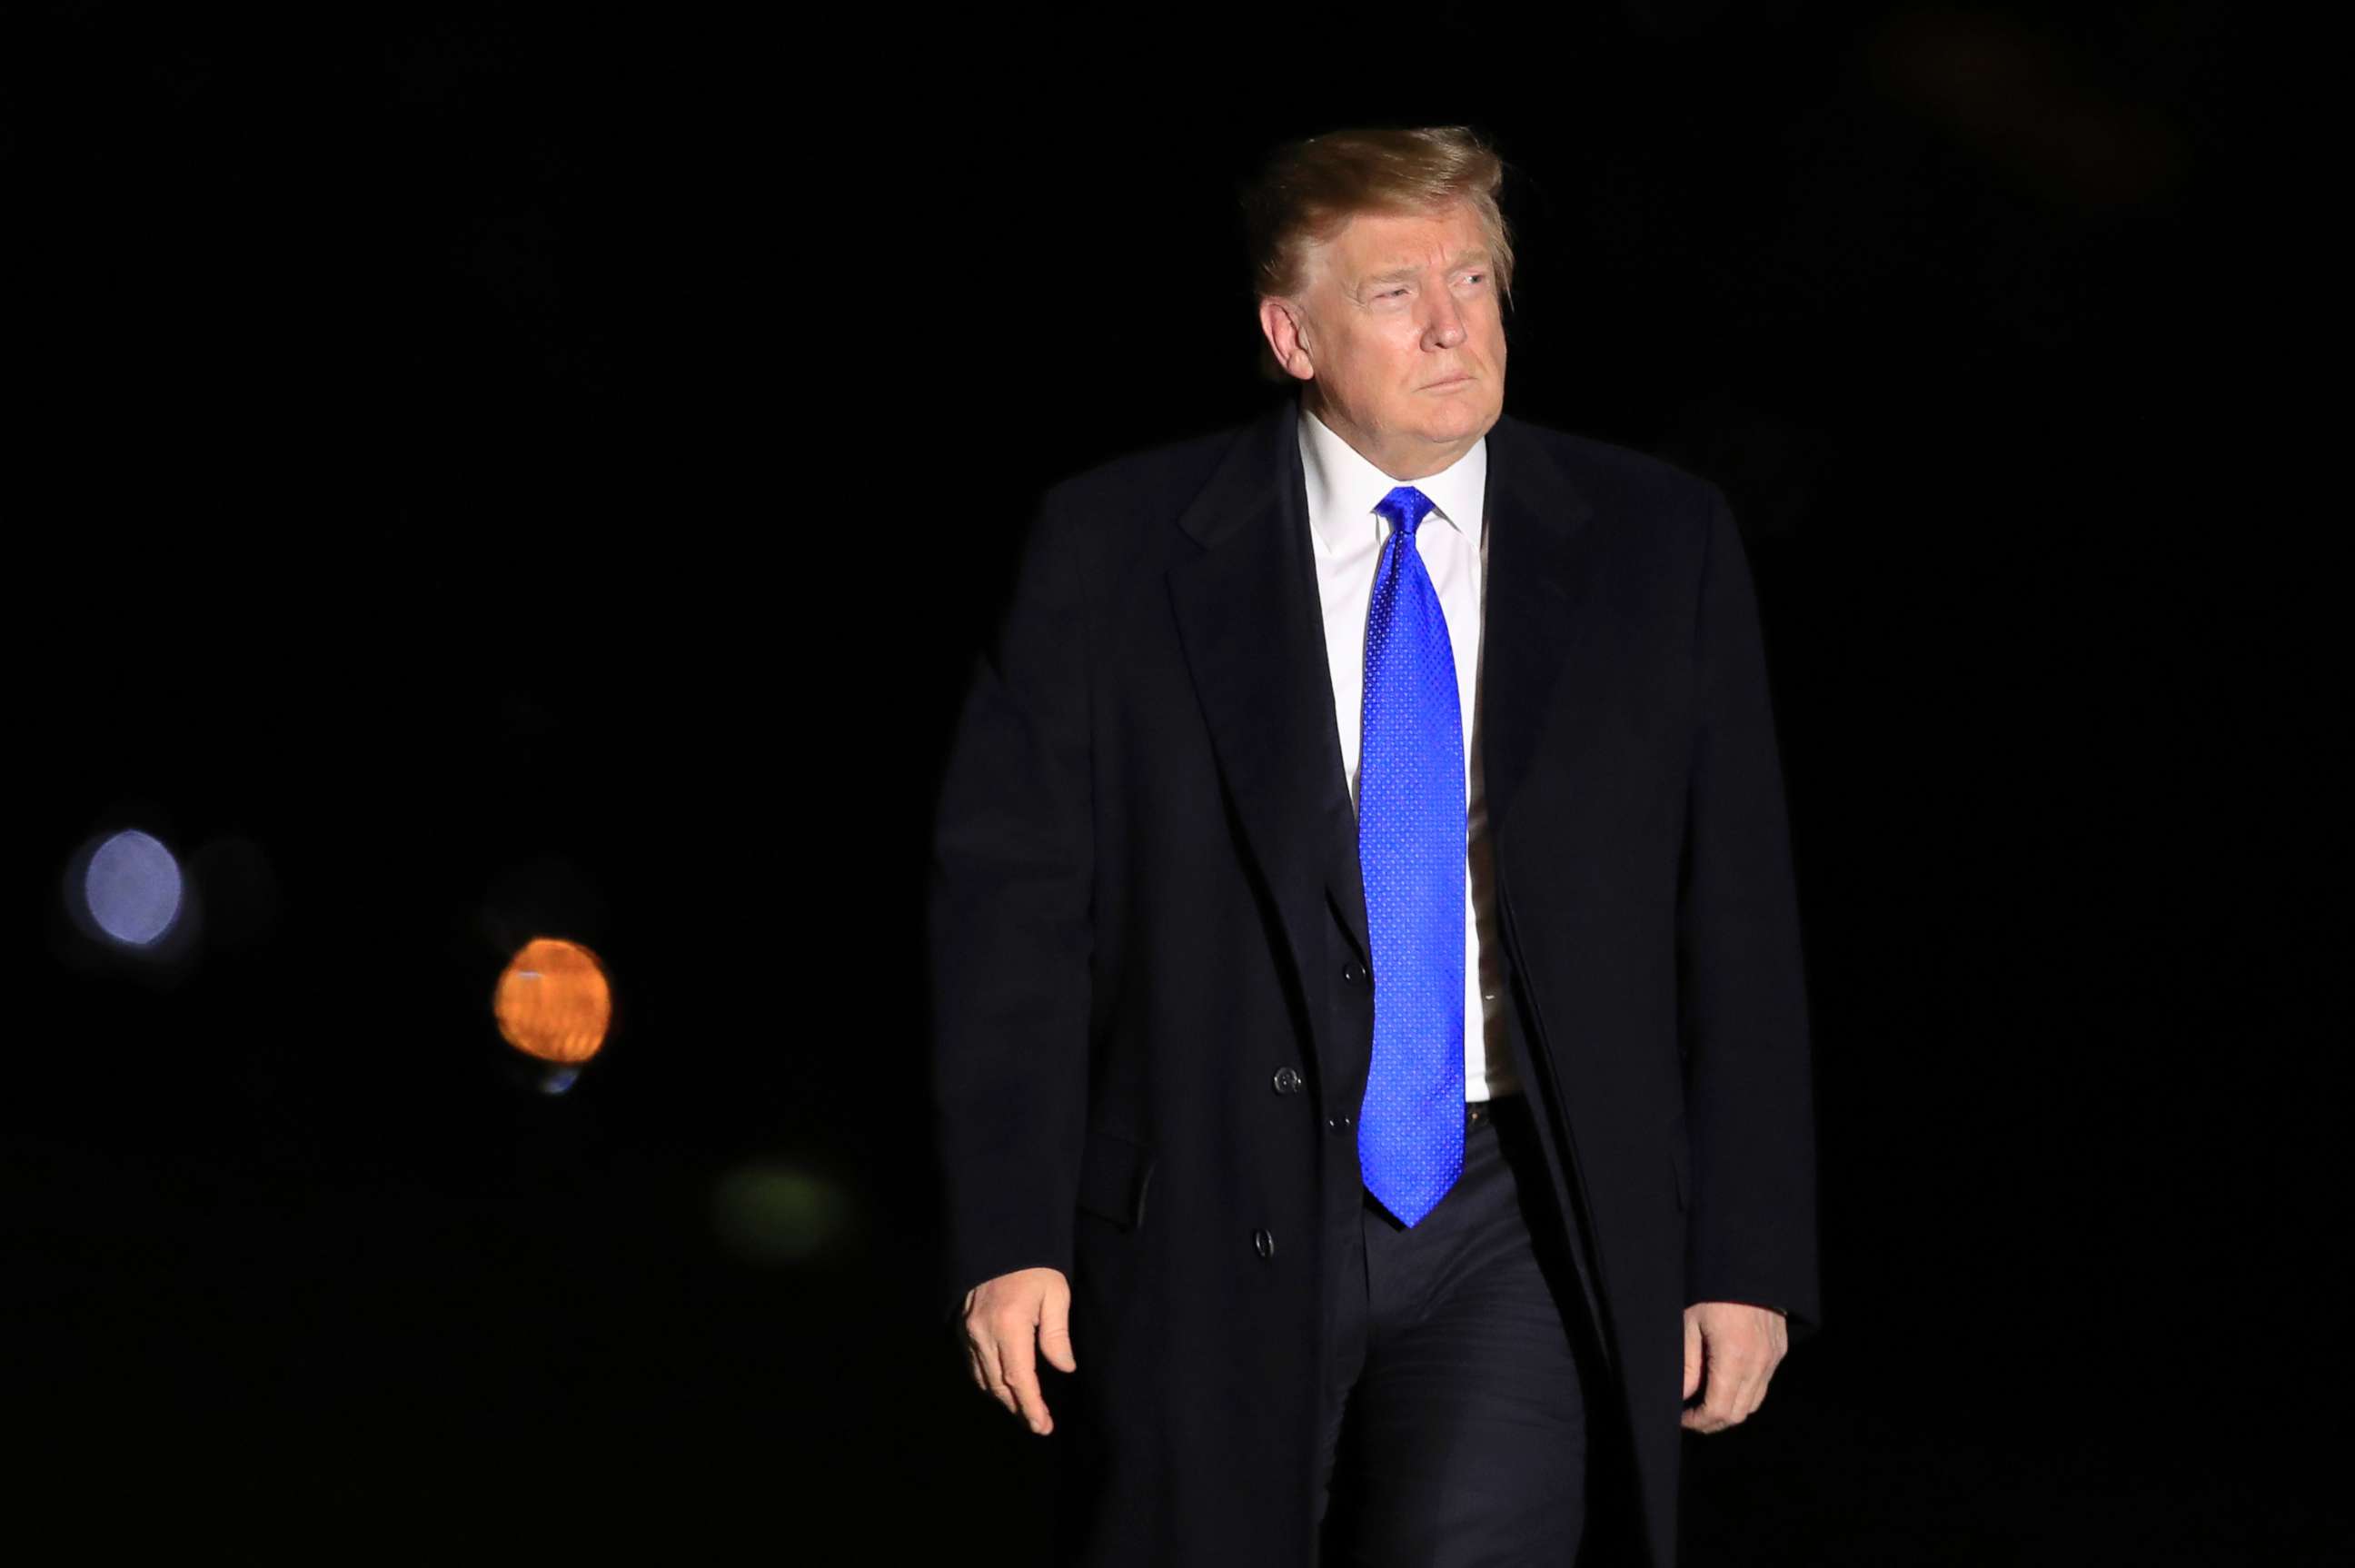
[{"x": 1446, "y": 327}]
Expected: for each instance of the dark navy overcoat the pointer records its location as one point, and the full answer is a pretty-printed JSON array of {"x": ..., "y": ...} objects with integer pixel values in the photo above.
[{"x": 1145, "y": 892}]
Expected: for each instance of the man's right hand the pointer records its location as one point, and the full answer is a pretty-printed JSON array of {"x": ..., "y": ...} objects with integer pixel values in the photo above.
[{"x": 1003, "y": 1316}]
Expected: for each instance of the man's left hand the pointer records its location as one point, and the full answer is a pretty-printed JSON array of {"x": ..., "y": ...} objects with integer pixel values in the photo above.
[{"x": 1740, "y": 1346}]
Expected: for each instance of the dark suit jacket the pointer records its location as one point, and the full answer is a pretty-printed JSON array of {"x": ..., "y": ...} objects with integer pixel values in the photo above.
[{"x": 1145, "y": 892}]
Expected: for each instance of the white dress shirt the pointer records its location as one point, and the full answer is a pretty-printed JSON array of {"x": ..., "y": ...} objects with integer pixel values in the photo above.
[{"x": 1343, "y": 488}]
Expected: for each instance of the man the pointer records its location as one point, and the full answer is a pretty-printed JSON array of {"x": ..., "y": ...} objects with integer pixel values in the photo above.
[{"x": 1371, "y": 1059}]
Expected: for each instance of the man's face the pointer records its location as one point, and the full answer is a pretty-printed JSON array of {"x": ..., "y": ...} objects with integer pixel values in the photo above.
[{"x": 1399, "y": 334}]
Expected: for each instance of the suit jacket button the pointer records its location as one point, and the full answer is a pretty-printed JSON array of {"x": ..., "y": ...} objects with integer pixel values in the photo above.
[
  {"x": 1265, "y": 1243},
  {"x": 1353, "y": 971},
  {"x": 1337, "y": 1123},
  {"x": 1287, "y": 1081}
]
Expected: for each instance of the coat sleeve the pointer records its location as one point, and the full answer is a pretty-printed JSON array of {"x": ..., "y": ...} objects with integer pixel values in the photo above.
[
  {"x": 1007, "y": 928},
  {"x": 1743, "y": 1012}
]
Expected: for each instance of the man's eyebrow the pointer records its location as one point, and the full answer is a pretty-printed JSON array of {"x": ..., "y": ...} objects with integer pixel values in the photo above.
[{"x": 1408, "y": 273}]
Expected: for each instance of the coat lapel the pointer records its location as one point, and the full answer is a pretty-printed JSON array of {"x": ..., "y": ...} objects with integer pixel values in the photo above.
[
  {"x": 1534, "y": 607},
  {"x": 1250, "y": 619}
]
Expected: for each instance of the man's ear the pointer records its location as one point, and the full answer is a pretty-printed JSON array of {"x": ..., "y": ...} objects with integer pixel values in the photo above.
[{"x": 1285, "y": 329}]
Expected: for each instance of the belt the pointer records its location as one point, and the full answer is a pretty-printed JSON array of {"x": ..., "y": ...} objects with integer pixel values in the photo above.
[{"x": 1484, "y": 1113}]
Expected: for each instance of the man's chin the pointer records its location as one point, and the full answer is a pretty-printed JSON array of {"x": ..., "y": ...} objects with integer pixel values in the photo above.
[{"x": 1464, "y": 423}]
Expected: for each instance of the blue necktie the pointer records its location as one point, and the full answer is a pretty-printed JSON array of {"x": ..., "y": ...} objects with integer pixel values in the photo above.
[{"x": 1410, "y": 847}]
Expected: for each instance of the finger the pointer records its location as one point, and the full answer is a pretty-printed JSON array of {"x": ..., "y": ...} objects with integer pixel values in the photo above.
[
  {"x": 1698, "y": 1417},
  {"x": 1759, "y": 1365},
  {"x": 1693, "y": 1354},
  {"x": 1019, "y": 1364},
  {"x": 1718, "y": 1408},
  {"x": 1055, "y": 1327},
  {"x": 978, "y": 1364},
  {"x": 1711, "y": 1415},
  {"x": 1742, "y": 1399},
  {"x": 973, "y": 1366},
  {"x": 1740, "y": 1364},
  {"x": 1758, "y": 1389},
  {"x": 1730, "y": 1377},
  {"x": 993, "y": 1372}
]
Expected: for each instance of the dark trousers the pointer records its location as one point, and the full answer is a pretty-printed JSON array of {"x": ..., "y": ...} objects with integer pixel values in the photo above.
[{"x": 1456, "y": 1428}]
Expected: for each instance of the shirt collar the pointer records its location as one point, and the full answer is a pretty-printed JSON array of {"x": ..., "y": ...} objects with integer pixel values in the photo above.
[{"x": 1343, "y": 487}]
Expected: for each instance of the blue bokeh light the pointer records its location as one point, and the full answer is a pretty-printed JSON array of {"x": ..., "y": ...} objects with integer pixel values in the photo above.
[{"x": 132, "y": 887}]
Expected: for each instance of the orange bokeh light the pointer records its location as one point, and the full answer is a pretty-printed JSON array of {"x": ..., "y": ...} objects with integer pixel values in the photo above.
[{"x": 553, "y": 1002}]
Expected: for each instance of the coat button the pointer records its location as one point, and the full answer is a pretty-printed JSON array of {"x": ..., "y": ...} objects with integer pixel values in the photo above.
[
  {"x": 1265, "y": 1243},
  {"x": 1353, "y": 971},
  {"x": 1338, "y": 1122},
  {"x": 1288, "y": 1080}
]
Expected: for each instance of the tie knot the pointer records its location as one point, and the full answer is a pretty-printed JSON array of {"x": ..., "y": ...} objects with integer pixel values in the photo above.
[{"x": 1405, "y": 506}]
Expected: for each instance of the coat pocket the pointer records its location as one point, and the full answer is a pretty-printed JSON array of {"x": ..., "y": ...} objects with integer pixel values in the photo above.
[
  {"x": 1680, "y": 1159},
  {"x": 1114, "y": 1172}
]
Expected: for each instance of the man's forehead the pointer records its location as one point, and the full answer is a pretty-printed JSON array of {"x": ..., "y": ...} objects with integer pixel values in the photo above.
[
  {"x": 1389, "y": 244},
  {"x": 1408, "y": 263}
]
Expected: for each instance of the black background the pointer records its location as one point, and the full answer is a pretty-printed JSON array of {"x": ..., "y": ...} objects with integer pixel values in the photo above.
[{"x": 512, "y": 473}]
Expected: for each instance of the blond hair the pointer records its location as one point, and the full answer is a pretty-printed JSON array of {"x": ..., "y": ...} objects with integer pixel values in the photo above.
[{"x": 1307, "y": 191}]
